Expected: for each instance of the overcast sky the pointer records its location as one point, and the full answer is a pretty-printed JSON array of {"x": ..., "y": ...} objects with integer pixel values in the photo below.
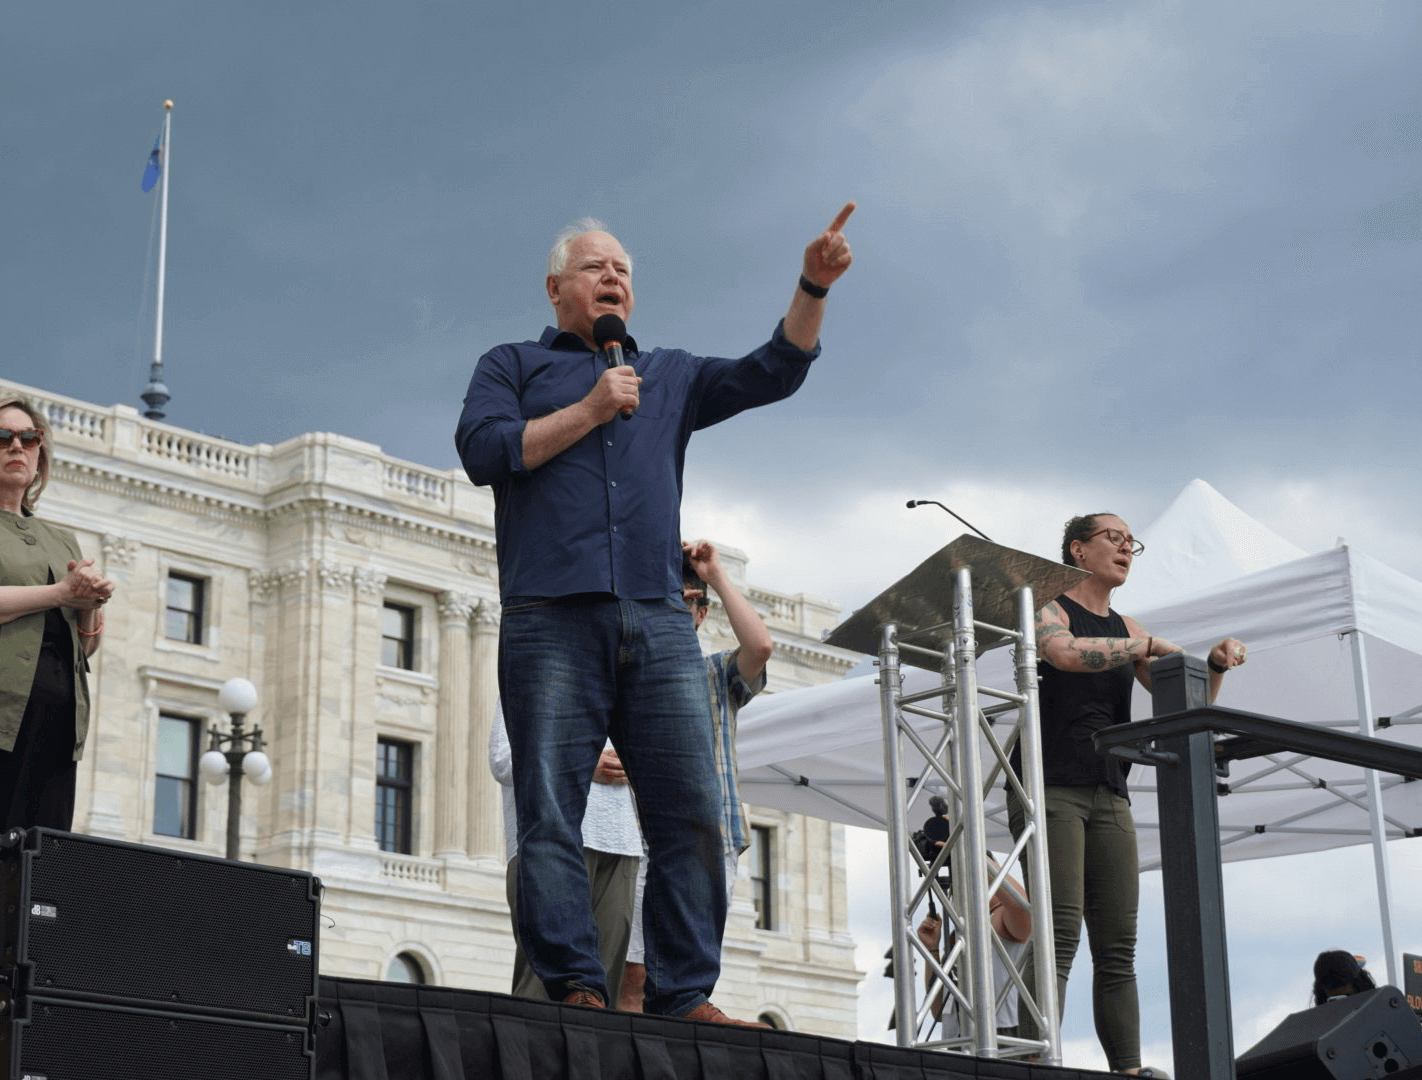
[{"x": 1102, "y": 248}]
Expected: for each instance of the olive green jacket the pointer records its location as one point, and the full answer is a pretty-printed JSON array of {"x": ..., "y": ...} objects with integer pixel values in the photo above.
[{"x": 30, "y": 550}]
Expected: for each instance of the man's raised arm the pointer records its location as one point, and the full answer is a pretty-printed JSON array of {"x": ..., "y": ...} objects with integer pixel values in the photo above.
[
  {"x": 827, "y": 257},
  {"x": 750, "y": 630}
]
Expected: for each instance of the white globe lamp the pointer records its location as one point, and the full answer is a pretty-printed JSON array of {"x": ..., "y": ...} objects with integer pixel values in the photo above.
[
  {"x": 213, "y": 766},
  {"x": 237, "y": 696},
  {"x": 255, "y": 763}
]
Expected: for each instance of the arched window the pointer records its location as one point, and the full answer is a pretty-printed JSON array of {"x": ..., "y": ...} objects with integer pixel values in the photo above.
[{"x": 406, "y": 968}]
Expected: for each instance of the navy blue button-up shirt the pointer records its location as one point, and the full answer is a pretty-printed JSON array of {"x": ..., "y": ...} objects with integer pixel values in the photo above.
[{"x": 605, "y": 514}]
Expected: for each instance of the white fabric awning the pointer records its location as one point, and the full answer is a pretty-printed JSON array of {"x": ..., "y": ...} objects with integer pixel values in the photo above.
[{"x": 819, "y": 751}]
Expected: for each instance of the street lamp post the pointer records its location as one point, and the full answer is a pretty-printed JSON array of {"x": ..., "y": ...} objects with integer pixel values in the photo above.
[{"x": 243, "y": 755}]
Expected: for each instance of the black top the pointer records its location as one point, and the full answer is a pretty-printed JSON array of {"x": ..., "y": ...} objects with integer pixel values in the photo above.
[
  {"x": 1076, "y": 705},
  {"x": 55, "y": 668}
]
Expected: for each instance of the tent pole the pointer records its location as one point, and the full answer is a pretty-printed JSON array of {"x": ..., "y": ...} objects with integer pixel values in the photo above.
[{"x": 1375, "y": 807}]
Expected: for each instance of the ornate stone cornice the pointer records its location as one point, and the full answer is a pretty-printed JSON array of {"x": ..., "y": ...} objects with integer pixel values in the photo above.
[
  {"x": 474, "y": 553},
  {"x": 174, "y": 496},
  {"x": 336, "y": 511},
  {"x": 807, "y": 656}
]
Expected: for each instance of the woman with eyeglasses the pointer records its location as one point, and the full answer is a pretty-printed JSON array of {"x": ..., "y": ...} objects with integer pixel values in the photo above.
[
  {"x": 1089, "y": 656},
  {"x": 51, "y": 619}
]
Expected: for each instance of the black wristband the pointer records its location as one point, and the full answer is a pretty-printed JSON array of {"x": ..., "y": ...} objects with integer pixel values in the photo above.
[
  {"x": 1214, "y": 666},
  {"x": 819, "y": 292}
]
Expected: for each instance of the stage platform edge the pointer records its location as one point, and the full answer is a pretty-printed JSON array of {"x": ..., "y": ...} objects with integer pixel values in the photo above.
[{"x": 396, "y": 1031}]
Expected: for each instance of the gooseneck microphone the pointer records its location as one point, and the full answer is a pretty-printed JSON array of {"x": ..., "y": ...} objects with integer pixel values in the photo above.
[
  {"x": 934, "y": 502},
  {"x": 609, "y": 331}
]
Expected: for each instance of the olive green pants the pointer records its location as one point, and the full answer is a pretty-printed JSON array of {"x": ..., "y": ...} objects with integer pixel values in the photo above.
[
  {"x": 1095, "y": 875},
  {"x": 612, "y": 882}
]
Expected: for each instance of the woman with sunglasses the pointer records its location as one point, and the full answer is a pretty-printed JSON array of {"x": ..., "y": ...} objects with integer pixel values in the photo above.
[
  {"x": 1089, "y": 657},
  {"x": 51, "y": 619}
]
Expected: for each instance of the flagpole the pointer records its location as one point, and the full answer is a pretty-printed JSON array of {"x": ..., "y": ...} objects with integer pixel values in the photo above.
[{"x": 156, "y": 394}]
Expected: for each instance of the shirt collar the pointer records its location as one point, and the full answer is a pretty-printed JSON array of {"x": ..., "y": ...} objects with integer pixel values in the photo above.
[{"x": 553, "y": 338}]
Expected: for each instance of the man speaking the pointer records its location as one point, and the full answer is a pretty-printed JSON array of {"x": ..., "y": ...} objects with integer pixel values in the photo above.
[{"x": 584, "y": 446}]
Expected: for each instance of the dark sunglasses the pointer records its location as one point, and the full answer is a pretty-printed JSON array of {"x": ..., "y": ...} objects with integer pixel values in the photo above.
[{"x": 28, "y": 439}]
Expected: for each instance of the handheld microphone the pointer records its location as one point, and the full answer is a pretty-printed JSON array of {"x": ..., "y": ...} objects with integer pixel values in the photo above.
[
  {"x": 934, "y": 502},
  {"x": 608, "y": 332}
]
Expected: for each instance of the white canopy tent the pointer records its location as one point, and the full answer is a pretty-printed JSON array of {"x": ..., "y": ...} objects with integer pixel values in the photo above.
[{"x": 1333, "y": 637}]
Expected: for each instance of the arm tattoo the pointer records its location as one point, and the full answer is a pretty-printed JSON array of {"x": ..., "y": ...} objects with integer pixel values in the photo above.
[{"x": 1116, "y": 653}]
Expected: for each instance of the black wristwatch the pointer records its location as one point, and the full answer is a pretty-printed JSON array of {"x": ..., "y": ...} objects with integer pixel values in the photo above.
[{"x": 819, "y": 292}]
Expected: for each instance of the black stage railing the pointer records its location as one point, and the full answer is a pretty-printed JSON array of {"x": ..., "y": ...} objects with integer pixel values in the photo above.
[{"x": 1190, "y": 741}]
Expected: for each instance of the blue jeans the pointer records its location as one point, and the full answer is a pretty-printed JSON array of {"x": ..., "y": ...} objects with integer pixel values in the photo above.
[{"x": 574, "y": 672}]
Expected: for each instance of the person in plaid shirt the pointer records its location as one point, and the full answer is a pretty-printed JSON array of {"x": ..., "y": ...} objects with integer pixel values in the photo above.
[{"x": 733, "y": 677}]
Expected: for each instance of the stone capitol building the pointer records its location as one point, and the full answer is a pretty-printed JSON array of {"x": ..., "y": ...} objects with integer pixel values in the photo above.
[{"x": 359, "y": 593}]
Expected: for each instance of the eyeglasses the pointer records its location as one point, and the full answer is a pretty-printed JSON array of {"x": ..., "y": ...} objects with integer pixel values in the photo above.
[
  {"x": 1116, "y": 537},
  {"x": 28, "y": 439}
]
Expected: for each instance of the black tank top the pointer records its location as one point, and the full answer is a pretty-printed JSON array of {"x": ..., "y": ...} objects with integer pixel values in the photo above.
[{"x": 1076, "y": 705}]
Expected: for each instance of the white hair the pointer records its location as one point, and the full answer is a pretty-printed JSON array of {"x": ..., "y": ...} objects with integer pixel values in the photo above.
[{"x": 558, "y": 257}]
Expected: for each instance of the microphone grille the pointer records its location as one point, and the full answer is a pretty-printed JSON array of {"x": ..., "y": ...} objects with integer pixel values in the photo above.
[{"x": 609, "y": 327}]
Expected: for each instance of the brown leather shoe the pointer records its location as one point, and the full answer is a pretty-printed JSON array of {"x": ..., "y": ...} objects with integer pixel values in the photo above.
[
  {"x": 709, "y": 1014},
  {"x": 586, "y": 998}
]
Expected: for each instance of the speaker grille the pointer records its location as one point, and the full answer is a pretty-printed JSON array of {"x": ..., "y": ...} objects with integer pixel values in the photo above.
[
  {"x": 76, "y": 1042},
  {"x": 149, "y": 925}
]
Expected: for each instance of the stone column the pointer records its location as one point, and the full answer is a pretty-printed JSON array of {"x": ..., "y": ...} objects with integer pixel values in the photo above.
[
  {"x": 485, "y": 831},
  {"x": 263, "y": 587},
  {"x": 333, "y": 715},
  {"x": 285, "y": 689},
  {"x": 452, "y": 724},
  {"x": 110, "y": 780}
]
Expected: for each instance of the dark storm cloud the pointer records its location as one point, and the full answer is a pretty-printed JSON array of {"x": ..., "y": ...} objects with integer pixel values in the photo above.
[{"x": 1185, "y": 234}]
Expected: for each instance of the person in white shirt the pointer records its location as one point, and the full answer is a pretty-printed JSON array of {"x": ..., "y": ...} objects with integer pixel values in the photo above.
[{"x": 612, "y": 849}]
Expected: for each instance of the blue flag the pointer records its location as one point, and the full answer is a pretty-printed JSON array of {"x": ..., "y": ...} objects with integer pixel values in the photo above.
[{"x": 155, "y": 164}]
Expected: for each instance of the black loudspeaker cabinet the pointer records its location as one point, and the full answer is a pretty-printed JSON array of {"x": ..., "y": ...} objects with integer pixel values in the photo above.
[
  {"x": 156, "y": 951},
  {"x": 1360, "y": 1037},
  {"x": 62, "y": 1039}
]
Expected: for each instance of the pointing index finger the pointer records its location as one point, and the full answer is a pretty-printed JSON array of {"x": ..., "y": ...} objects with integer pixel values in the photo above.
[{"x": 841, "y": 218}]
